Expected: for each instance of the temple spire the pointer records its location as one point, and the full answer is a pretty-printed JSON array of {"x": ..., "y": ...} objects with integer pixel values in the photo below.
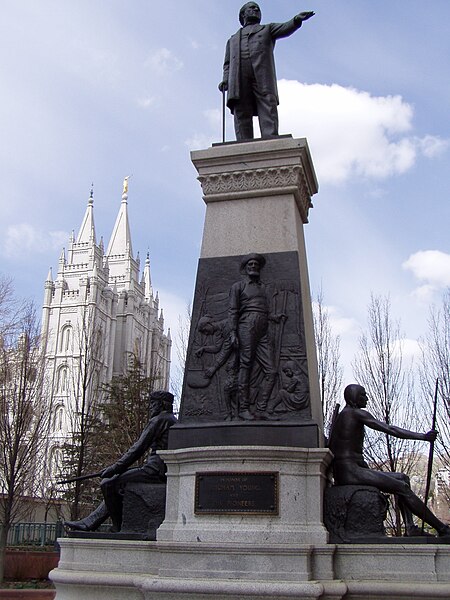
[
  {"x": 87, "y": 229},
  {"x": 148, "y": 291},
  {"x": 120, "y": 241}
]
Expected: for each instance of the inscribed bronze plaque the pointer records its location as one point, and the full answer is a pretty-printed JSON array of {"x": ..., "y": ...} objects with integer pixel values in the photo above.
[{"x": 245, "y": 493}]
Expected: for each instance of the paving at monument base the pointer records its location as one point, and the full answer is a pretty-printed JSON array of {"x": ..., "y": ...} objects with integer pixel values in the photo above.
[
  {"x": 247, "y": 466},
  {"x": 119, "y": 570}
]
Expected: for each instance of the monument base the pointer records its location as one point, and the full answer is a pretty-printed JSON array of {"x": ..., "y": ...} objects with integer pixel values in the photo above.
[
  {"x": 114, "y": 570},
  {"x": 230, "y": 509},
  {"x": 245, "y": 523}
]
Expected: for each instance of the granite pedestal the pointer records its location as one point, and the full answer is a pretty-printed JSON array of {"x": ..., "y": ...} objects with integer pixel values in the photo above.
[{"x": 258, "y": 196}]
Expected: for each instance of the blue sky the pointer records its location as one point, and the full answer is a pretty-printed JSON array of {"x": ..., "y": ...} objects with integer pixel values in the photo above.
[{"x": 95, "y": 90}]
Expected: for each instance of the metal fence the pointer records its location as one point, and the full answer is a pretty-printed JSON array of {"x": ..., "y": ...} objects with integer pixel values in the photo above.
[
  {"x": 35, "y": 534},
  {"x": 40, "y": 534}
]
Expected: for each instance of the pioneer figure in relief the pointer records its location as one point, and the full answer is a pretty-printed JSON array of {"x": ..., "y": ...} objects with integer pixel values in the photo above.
[
  {"x": 294, "y": 395},
  {"x": 221, "y": 347},
  {"x": 249, "y": 315}
]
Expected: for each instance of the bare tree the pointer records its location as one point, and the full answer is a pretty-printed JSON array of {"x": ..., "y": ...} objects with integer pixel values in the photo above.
[
  {"x": 380, "y": 368},
  {"x": 25, "y": 418},
  {"x": 328, "y": 358},
  {"x": 436, "y": 366},
  {"x": 83, "y": 414},
  {"x": 11, "y": 309},
  {"x": 181, "y": 346}
]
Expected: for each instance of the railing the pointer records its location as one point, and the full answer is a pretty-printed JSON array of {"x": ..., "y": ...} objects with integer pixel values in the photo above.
[
  {"x": 40, "y": 534},
  {"x": 35, "y": 534}
]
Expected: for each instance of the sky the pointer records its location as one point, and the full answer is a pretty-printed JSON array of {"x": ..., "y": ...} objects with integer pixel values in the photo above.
[{"x": 95, "y": 90}]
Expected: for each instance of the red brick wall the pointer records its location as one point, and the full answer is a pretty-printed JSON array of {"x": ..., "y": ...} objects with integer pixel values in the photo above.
[{"x": 23, "y": 565}]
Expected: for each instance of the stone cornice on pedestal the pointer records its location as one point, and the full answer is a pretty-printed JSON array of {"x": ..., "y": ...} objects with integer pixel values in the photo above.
[{"x": 251, "y": 169}]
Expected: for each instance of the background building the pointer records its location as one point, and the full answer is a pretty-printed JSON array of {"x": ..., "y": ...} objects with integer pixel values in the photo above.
[{"x": 97, "y": 312}]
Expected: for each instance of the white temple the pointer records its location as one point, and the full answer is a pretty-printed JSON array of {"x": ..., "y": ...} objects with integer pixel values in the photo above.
[{"x": 96, "y": 312}]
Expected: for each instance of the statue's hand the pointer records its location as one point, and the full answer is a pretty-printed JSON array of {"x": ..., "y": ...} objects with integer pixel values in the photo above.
[
  {"x": 199, "y": 352},
  {"x": 223, "y": 86},
  {"x": 209, "y": 372},
  {"x": 430, "y": 436},
  {"x": 109, "y": 472},
  {"x": 234, "y": 340},
  {"x": 304, "y": 16},
  {"x": 277, "y": 318}
]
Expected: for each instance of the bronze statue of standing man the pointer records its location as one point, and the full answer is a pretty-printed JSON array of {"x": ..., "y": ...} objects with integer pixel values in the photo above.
[{"x": 249, "y": 71}]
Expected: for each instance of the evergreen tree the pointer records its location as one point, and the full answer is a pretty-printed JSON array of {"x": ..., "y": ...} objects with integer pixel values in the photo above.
[{"x": 124, "y": 412}]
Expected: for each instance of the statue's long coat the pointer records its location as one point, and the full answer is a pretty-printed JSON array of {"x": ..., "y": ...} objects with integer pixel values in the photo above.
[{"x": 261, "y": 44}]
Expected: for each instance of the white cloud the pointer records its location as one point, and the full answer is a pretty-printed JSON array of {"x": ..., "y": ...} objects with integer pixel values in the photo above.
[
  {"x": 163, "y": 61},
  {"x": 424, "y": 294},
  {"x": 340, "y": 325},
  {"x": 430, "y": 266},
  {"x": 410, "y": 349},
  {"x": 432, "y": 146},
  {"x": 347, "y": 329},
  {"x": 173, "y": 307},
  {"x": 352, "y": 132},
  {"x": 23, "y": 238},
  {"x": 146, "y": 102},
  {"x": 198, "y": 141}
]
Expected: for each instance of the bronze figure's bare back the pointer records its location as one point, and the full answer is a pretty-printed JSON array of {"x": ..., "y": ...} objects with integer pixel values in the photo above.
[{"x": 350, "y": 468}]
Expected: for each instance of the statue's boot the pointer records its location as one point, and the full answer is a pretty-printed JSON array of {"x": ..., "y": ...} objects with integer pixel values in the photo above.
[
  {"x": 416, "y": 531},
  {"x": 267, "y": 387},
  {"x": 91, "y": 522},
  {"x": 444, "y": 532},
  {"x": 246, "y": 415},
  {"x": 244, "y": 395}
]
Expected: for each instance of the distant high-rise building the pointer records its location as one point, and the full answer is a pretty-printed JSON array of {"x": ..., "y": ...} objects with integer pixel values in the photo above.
[{"x": 98, "y": 312}]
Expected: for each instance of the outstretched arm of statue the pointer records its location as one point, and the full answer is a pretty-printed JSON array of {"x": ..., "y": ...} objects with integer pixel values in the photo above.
[
  {"x": 370, "y": 421},
  {"x": 281, "y": 30},
  {"x": 304, "y": 16}
]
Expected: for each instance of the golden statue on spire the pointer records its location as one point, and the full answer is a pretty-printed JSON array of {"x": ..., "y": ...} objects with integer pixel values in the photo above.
[{"x": 125, "y": 185}]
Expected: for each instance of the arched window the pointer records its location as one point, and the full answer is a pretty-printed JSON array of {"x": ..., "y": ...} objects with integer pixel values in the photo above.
[
  {"x": 66, "y": 338},
  {"x": 61, "y": 383},
  {"x": 58, "y": 418},
  {"x": 56, "y": 461},
  {"x": 95, "y": 382},
  {"x": 138, "y": 347}
]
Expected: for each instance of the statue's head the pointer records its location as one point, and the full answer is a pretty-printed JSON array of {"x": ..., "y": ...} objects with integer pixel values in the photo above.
[
  {"x": 249, "y": 13},
  {"x": 355, "y": 396},
  {"x": 252, "y": 263},
  {"x": 160, "y": 401},
  {"x": 289, "y": 367},
  {"x": 205, "y": 325}
]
